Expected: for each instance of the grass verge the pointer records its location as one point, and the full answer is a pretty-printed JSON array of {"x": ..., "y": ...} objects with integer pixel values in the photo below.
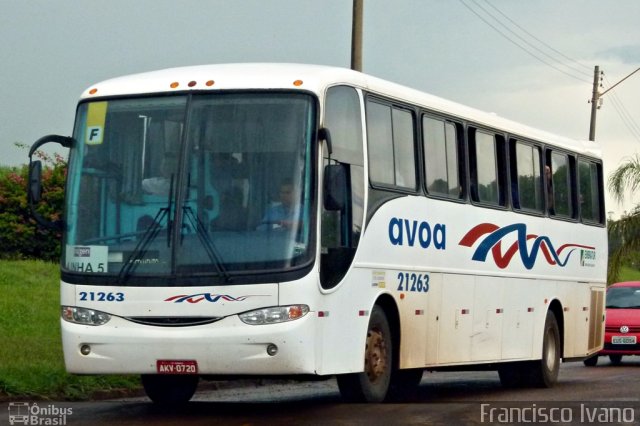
[
  {"x": 31, "y": 362},
  {"x": 629, "y": 274}
]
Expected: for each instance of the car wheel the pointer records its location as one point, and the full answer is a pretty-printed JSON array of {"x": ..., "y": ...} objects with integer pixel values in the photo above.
[{"x": 615, "y": 359}]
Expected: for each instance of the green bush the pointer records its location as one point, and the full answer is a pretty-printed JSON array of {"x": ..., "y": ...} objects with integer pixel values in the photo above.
[{"x": 20, "y": 236}]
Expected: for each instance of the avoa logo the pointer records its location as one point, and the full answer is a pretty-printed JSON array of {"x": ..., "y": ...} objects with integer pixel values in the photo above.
[{"x": 417, "y": 233}]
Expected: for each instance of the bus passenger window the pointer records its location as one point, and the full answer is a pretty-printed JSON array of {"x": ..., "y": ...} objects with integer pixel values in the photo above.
[
  {"x": 391, "y": 146},
  {"x": 380, "y": 137},
  {"x": 527, "y": 189},
  {"x": 562, "y": 200},
  {"x": 590, "y": 195},
  {"x": 404, "y": 149},
  {"x": 441, "y": 158},
  {"x": 487, "y": 179}
]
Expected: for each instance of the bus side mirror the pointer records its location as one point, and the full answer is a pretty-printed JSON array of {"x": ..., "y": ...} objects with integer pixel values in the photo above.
[
  {"x": 35, "y": 182},
  {"x": 335, "y": 187}
]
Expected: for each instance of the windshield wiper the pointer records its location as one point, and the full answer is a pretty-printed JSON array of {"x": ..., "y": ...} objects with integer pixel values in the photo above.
[
  {"x": 207, "y": 242},
  {"x": 148, "y": 236}
]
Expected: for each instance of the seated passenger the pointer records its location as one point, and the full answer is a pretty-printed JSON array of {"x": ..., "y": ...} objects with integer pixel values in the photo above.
[{"x": 283, "y": 214}]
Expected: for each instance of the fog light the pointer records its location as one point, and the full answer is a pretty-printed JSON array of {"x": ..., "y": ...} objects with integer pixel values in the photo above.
[
  {"x": 85, "y": 349},
  {"x": 272, "y": 349}
]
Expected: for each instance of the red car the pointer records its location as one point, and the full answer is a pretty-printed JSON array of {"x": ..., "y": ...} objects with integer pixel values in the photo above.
[{"x": 622, "y": 325}]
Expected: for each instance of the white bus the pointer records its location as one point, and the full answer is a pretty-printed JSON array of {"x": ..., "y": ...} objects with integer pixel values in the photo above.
[{"x": 304, "y": 221}]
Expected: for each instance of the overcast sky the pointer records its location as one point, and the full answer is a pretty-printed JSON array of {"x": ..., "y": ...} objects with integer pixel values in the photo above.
[{"x": 534, "y": 64}]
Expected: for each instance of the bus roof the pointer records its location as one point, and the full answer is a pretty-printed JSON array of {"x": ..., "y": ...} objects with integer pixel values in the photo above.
[{"x": 314, "y": 78}]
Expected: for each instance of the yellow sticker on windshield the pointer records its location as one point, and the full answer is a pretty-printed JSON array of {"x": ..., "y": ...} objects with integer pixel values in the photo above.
[{"x": 96, "y": 117}]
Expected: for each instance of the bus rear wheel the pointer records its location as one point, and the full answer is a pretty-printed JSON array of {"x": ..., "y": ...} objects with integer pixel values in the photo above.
[
  {"x": 169, "y": 389},
  {"x": 544, "y": 373},
  {"x": 373, "y": 383}
]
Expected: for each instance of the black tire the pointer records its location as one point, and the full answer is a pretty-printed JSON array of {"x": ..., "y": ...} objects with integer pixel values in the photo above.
[
  {"x": 544, "y": 373},
  {"x": 591, "y": 362},
  {"x": 615, "y": 359},
  {"x": 169, "y": 389},
  {"x": 373, "y": 383}
]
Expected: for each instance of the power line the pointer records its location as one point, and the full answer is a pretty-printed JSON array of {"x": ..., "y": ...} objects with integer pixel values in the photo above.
[
  {"x": 585, "y": 69},
  {"x": 623, "y": 113},
  {"x": 528, "y": 43},
  {"x": 519, "y": 45}
]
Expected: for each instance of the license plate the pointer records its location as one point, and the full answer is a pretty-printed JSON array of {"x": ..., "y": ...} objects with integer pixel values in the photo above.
[
  {"x": 165, "y": 366},
  {"x": 623, "y": 340}
]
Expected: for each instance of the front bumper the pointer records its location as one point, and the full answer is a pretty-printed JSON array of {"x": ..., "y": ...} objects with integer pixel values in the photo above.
[{"x": 226, "y": 347}]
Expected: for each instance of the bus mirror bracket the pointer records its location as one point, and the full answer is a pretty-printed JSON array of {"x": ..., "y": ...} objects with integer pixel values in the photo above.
[
  {"x": 335, "y": 187},
  {"x": 325, "y": 135},
  {"x": 34, "y": 182}
]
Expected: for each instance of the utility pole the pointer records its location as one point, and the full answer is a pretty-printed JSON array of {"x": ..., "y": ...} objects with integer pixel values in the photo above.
[
  {"x": 595, "y": 98},
  {"x": 356, "y": 36}
]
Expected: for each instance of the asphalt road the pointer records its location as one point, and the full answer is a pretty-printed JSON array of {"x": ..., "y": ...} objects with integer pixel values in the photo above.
[{"x": 600, "y": 395}]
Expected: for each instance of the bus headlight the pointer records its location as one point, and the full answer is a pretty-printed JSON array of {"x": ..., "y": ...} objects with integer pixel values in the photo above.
[
  {"x": 274, "y": 315},
  {"x": 84, "y": 316}
]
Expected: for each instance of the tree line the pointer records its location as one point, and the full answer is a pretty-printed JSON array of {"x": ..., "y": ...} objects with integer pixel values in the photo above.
[{"x": 20, "y": 236}]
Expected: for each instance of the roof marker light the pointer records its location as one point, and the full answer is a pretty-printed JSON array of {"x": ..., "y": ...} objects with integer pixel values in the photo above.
[
  {"x": 191, "y": 83},
  {"x": 93, "y": 91},
  {"x": 174, "y": 85},
  {"x": 210, "y": 83},
  {"x": 297, "y": 83}
]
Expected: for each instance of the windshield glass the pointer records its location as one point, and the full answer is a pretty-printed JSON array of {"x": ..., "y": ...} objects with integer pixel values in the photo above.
[
  {"x": 623, "y": 297},
  {"x": 190, "y": 188}
]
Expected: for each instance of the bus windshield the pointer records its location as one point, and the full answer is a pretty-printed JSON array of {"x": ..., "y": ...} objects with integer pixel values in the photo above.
[{"x": 195, "y": 187}]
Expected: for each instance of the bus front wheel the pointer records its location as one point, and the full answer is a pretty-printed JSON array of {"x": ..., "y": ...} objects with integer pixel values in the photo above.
[
  {"x": 169, "y": 389},
  {"x": 372, "y": 384}
]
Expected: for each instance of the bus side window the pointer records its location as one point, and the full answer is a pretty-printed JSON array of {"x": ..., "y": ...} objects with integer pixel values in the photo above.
[
  {"x": 442, "y": 166},
  {"x": 562, "y": 184},
  {"x": 487, "y": 166},
  {"x": 590, "y": 187},
  {"x": 526, "y": 176},
  {"x": 391, "y": 146}
]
